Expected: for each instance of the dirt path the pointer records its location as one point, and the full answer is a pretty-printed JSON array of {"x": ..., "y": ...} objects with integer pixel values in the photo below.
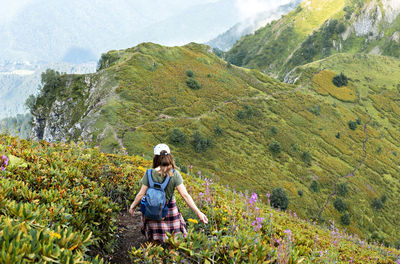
[
  {"x": 129, "y": 236},
  {"x": 352, "y": 173}
]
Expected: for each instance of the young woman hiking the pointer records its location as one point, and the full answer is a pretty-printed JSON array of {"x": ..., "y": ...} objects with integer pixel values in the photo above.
[{"x": 163, "y": 166}]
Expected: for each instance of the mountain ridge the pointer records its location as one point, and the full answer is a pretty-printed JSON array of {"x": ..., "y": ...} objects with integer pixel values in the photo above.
[
  {"x": 349, "y": 27},
  {"x": 234, "y": 121}
]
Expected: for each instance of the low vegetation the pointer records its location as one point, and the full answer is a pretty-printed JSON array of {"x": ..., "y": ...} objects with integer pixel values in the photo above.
[{"x": 59, "y": 204}]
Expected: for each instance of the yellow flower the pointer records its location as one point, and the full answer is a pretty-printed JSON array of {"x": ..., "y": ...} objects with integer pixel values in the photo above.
[
  {"x": 54, "y": 234},
  {"x": 141, "y": 168},
  {"x": 193, "y": 221},
  {"x": 73, "y": 247}
]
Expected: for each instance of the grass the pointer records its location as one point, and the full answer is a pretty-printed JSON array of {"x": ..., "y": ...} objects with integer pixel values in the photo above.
[
  {"x": 322, "y": 83},
  {"x": 151, "y": 99}
]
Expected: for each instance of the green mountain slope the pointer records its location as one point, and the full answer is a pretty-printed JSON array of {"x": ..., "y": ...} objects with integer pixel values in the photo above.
[
  {"x": 59, "y": 204},
  {"x": 316, "y": 30},
  {"x": 244, "y": 128}
]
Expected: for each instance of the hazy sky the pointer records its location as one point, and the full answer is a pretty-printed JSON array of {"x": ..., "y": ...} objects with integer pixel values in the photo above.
[{"x": 245, "y": 8}]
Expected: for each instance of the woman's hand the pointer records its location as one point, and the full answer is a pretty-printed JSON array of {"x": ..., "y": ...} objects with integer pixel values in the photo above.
[
  {"x": 202, "y": 217},
  {"x": 132, "y": 210}
]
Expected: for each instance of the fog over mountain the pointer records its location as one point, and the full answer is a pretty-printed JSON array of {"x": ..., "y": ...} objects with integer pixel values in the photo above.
[
  {"x": 251, "y": 23},
  {"x": 39, "y": 34}
]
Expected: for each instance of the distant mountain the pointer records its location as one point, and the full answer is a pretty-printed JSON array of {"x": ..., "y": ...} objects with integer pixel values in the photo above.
[
  {"x": 317, "y": 29},
  {"x": 79, "y": 31},
  {"x": 226, "y": 40}
]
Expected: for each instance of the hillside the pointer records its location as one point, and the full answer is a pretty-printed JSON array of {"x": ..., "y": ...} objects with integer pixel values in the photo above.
[
  {"x": 318, "y": 29},
  {"x": 244, "y": 128},
  {"x": 226, "y": 40},
  {"x": 59, "y": 203}
]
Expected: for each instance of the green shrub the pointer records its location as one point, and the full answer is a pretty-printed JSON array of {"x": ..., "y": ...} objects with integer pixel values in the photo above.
[
  {"x": 345, "y": 219},
  {"x": 279, "y": 199},
  {"x": 199, "y": 143},
  {"x": 177, "y": 137},
  {"x": 306, "y": 156},
  {"x": 342, "y": 189},
  {"x": 316, "y": 110},
  {"x": 340, "y": 28},
  {"x": 352, "y": 125},
  {"x": 274, "y": 130},
  {"x": 314, "y": 187},
  {"x": 192, "y": 84},
  {"x": 383, "y": 198},
  {"x": 358, "y": 121},
  {"x": 377, "y": 204},
  {"x": 397, "y": 244},
  {"x": 275, "y": 147},
  {"x": 338, "y": 135},
  {"x": 340, "y": 80},
  {"x": 340, "y": 205},
  {"x": 218, "y": 131},
  {"x": 248, "y": 112},
  {"x": 300, "y": 193},
  {"x": 189, "y": 73},
  {"x": 107, "y": 60}
]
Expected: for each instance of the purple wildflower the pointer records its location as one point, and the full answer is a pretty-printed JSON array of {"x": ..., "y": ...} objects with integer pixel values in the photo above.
[
  {"x": 4, "y": 162},
  {"x": 258, "y": 223},
  {"x": 253, "y": 199}
]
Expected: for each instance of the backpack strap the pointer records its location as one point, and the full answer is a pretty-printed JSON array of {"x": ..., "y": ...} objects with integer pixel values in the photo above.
[
  {"x": 165, "y": 183},
  {"x": 150, "y": 178}
]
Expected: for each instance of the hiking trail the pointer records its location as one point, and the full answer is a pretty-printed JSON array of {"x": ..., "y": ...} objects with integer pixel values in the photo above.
[{"x": 128, "y": 236}]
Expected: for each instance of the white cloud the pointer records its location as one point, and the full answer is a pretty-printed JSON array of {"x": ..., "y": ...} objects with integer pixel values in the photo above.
[
  {"x": 9, "y": 8},
  {"x": 249, "y": 8}
]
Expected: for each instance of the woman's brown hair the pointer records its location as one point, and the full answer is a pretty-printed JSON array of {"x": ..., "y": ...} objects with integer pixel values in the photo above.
[{"x": 165, "y": 162}]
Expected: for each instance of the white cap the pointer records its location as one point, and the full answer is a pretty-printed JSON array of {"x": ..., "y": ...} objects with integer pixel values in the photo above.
[{"x": 161, "y": 147}]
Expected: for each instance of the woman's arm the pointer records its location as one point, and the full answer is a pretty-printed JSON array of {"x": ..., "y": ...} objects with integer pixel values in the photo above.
[
  {"x": 188, "y": 199},
  {"x": 138, "y": 197}
]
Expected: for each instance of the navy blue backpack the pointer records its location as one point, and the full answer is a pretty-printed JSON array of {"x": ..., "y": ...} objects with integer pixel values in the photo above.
[{"x": 154, "y": 203}]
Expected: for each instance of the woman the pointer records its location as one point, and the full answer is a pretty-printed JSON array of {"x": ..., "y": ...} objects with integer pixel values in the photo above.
[{"x": 164, "y": 165}]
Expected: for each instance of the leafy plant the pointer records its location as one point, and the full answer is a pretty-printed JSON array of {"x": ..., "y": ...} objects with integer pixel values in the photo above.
[
  {"x": 200, "y": 143},
  {"x": 340, "y": 205},
  {"x": 345, "y": 219},
  {"x": 275, "y": 147},
  {"x": 352, "y": 125},
  {"x": 377, "y": 204},
  {"x": 340, "y": 80},
  {"x": 306, "y": 156},
  {"x": 178, "y": 137},
  {"x": 189, "y": 73},
  {"x": 218, "y": 130},
  {"x": 314, "y": 186},
  {"x": 279, "y": 199},
  {"x": 192, "y": 84},
  {"x": 342, "y": 189}
]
